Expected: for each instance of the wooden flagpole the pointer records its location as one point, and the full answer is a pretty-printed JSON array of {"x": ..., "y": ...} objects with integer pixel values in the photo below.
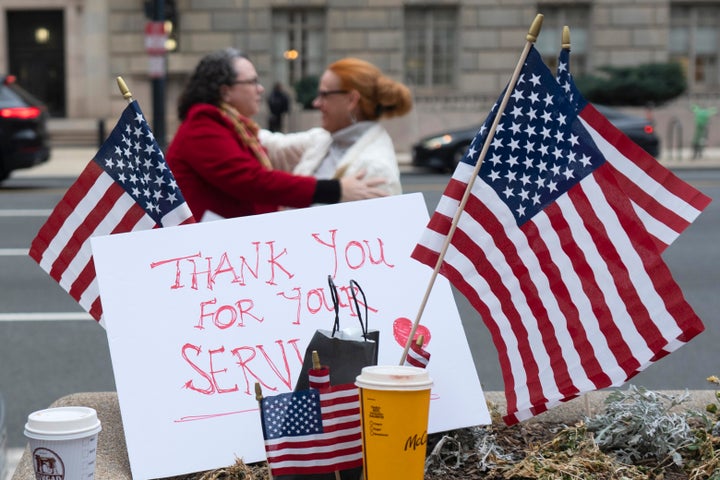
[
  {"x": 316, "y": 365},
  {"x": 531, "y": 37},
  {"x": 258, "y": 397},
  {"x": 565, "y": 45}
]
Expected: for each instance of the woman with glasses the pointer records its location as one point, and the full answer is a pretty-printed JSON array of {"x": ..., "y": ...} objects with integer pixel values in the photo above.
[
  {"x": 217, "y": 160},
  {"x": 353, "y": 95}
]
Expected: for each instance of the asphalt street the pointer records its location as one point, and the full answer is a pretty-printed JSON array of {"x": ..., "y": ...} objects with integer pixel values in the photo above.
[{"x": 69, "y": 162}]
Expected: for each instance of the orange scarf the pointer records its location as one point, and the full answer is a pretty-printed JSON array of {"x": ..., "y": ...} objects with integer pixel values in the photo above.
[{"x": 247, "y": 130}]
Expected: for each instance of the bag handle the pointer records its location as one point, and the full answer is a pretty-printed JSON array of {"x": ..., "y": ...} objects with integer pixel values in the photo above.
[
  {"x": 336, "y": 306},
  {"x": 364, "y": 326}
]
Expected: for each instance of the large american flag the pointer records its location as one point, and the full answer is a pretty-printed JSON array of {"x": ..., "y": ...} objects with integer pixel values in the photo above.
[
  {"x": 126, "y": 187},
  {"x": 550, "y": 253},
  {"x": 665, "y": 204},
  {"x": 315, "y": 430}
]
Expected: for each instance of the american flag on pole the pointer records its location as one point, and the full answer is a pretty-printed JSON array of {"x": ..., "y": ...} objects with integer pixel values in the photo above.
[
  {"x": 126, "y": 187},
  {"x": 313, "y": 431},
  {"x": 417, "y": 356},
  {"x": 665, "y": 204},
  {"x": 550, "y": 253}
]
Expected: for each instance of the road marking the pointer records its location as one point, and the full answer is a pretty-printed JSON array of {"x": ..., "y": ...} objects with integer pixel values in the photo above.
[
  {"x": 44, "y": 317},
  {"x": 13, "y": 252},
  {"x": 25, "y": 212}
]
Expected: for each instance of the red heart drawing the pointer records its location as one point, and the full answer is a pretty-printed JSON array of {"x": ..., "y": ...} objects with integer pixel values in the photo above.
[{"x": 401, "y": 331}]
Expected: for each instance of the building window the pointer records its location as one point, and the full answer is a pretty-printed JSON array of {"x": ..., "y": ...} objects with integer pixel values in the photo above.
[
  {"x": 298, "y": 44},
  {"x": 549, "y": 42},
  {"x": 37, "y": 53},
  {"x": 694, "y": 43},
  {"x": 430, "y": 46}
]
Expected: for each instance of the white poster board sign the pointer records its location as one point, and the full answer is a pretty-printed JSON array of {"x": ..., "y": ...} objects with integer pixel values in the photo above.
[{"x": 195, "y": 315}]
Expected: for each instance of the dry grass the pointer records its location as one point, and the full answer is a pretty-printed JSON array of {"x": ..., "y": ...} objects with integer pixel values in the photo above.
[{"x": 642, "y": 425}]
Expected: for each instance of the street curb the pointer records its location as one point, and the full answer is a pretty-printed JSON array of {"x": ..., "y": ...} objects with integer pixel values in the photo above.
[
  {"x": 70, "y": 161},
  {"x": 112, "y": 459}
]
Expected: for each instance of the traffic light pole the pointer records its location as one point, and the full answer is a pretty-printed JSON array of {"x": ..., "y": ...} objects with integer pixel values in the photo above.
[{"x": 158, "y": 85}]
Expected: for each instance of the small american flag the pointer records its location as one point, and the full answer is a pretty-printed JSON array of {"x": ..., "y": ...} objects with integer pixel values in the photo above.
[
  {"x": 665, "y": 204},
  {"x": 315, "y": 430},
  {"x": 417, "y": 356},
  {"x": 127, "y": 187},
  {"x": 551, "y": 254}
]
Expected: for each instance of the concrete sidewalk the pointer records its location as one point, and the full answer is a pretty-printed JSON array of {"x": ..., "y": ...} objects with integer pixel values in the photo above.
[{"x": 70, "y": 161}]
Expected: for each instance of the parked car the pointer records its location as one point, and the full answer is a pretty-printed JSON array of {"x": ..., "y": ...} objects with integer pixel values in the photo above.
[
  {"x": 443, "y": 150},
  {"x": 639, "y": 129},
  {"x": 24, "y": 138}
]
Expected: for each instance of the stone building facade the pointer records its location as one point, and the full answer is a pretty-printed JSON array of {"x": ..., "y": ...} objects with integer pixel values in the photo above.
[{"x": 456, "y": 55}]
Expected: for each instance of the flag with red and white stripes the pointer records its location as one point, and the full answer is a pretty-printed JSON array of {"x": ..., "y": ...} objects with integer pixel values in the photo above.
[
  {"x": 551, "y": 254},
  {"x": 313, "y": 431},
  {"x": 665, "y": 204},
  {"x": 417, "y": 356},
  {"x": 126, "y": 187}
]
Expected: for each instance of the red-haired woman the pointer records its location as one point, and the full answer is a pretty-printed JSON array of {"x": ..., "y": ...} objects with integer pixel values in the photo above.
[{"x": 353, "y": 96}]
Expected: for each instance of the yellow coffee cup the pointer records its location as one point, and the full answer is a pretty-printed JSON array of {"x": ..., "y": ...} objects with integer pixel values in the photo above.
[{"x": 394, "y": 404}]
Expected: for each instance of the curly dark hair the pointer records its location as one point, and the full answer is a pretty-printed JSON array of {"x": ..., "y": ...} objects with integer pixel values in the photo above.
[{"x": 213, "y": 70}]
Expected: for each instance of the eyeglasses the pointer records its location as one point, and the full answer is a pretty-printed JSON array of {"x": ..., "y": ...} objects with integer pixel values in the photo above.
[
  {"x": 250, "y": 81},
  {"x": 326, "y": 93}
]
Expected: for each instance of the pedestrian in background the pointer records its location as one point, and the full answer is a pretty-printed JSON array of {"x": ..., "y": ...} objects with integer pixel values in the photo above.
[
  {"x": 278, "y": 105},
  {"x": 353, "y": 96},
  {"x": 702, "y": 121},
  {"x": 217, "y": 159}
]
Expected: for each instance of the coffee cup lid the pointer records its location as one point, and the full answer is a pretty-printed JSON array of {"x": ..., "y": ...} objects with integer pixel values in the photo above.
[
  {"x": 65, "y": 422},
  {"x": 394, "y": 377}
]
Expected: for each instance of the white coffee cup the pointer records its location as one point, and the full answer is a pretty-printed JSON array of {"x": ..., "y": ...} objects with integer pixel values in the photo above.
[{"x": 63, "y": 442}]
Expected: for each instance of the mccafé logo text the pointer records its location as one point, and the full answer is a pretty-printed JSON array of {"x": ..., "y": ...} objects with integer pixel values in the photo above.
[{"x": 416, "y": 441}]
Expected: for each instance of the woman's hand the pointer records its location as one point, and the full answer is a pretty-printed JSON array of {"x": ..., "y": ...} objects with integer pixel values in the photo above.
[{"x": 359, "y": 188}]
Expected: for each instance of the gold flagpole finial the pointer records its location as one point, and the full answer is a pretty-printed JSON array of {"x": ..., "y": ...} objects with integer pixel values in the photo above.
[
  {"x": 124, "y": 89},
  {"x": 316, "y": 360},
  {"x": 566, "y": 38},
  {"x": 258, "y": 392},
  {"x": 535, "y": 28}
]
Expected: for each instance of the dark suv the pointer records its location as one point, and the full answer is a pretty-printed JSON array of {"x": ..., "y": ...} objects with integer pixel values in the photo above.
[
  {"x": 24, "y": 139},
  {"x": 443, "y": 150}
]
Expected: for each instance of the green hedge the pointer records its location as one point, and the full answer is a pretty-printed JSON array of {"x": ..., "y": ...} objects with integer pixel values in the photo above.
[
  {"x": 306, "y": 91},
  {"x": 653, "y": 83}
]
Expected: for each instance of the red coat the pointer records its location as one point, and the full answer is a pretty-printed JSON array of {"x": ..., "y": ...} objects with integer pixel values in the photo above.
[{"x": 217, "y": 172}]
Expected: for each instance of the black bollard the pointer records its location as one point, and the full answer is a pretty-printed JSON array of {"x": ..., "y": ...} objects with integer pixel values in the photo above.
[{"x": 101, "y": 131}]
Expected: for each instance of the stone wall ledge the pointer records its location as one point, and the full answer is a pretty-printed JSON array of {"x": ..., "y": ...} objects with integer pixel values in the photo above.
[{"x": 112, "y": 459}]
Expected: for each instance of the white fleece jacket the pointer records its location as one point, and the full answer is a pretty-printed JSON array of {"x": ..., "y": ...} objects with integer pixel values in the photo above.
[{"x": 302, "y": 153}]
